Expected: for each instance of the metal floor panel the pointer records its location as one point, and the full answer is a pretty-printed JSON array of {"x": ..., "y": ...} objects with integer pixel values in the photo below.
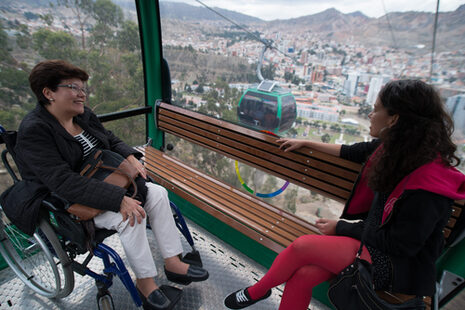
[{"x": 229, "y": 270}]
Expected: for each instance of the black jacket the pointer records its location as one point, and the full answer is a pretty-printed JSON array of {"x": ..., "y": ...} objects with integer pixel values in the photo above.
[
  {"x": 412, "y": 236},
  {"x": 46, "y": 153}
]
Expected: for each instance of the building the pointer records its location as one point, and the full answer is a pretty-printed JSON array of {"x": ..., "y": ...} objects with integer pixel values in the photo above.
[
  {"x": 375, "y": 86},
  {"x": 318, "y": 74},
  {"x": 350, "y": 85},
  {"x": 456, "y": 107},
  {"x": 313, "y": 111}
]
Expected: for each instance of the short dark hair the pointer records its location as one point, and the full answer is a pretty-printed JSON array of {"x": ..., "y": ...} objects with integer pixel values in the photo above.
[{"x": 50, "y": 73}]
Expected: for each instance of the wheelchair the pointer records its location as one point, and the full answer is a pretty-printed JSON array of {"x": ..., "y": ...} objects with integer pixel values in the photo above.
[{"x": 45, "y": 261}]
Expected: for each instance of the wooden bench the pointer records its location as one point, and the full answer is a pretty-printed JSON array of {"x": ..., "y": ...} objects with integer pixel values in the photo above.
[
  {"x": 264, "y": 223},
  {"x": 272, "y": 227},
  {"x": 328, "y": 175}
]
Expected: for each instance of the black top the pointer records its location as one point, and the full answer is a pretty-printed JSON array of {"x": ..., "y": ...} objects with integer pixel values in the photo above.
[
  {"x": 48, "y": 154},
  {"x": 411, "y": 238}
]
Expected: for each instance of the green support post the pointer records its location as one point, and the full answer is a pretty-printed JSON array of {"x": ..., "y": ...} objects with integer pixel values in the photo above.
[{"x": 150, "y": 32}]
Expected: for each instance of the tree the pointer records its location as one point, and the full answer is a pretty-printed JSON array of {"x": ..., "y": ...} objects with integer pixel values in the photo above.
[
  {"x": 128, "y": 37},
  {"x": 290, "y": 199},
  {"x": 325, "y": 138},
  {"x": 47, "y": 18},
  {"x": 5, "y": 56},
  {"x": 268, "y": 72},
  {"x": 23, "y": 37},
  {"x": 55, "y": 45},
  {"x": 108, "y": 16},
  {"x": 82, "y": 11},
  {"x": 199, "y": 89},
  {"x": 288, "y": 76},
  {"x": 364, "y": 110},
  {"x": 293, "y": 132},
  {"x": 107, "y": 13}
]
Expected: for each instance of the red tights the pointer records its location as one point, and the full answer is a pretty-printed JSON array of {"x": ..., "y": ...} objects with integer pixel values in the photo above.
[{"x": 307, "y": 262}]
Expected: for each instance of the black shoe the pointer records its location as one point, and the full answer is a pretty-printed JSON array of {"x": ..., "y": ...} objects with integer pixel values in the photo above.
[
  {"x": 194, "y": 274},
  {"x": 241, "y": 299},
  {"x": 163, "y": 298}
]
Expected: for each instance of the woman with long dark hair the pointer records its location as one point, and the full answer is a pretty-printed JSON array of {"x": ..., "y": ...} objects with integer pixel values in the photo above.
[{"x": 403, "y": 197}]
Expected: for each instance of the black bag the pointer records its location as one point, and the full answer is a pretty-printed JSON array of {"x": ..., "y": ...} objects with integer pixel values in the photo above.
[{"x": 352, "y": 289}]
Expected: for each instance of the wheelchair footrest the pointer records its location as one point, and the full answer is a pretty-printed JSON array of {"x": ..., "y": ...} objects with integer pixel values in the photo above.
[
  {"x": 173, "y": 294},
  {"x": 193, "y": 258}
]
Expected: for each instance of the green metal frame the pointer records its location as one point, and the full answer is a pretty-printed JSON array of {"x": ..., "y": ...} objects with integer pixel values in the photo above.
[
  {"x": 152, "y": 54},
  {"x": 150, "y": 31}
]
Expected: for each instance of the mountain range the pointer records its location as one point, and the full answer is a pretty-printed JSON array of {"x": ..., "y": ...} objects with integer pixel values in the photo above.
[{"x": 406, "y": 30}]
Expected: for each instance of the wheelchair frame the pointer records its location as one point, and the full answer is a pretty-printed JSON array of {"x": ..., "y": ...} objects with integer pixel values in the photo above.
[{"x": 51, "y": 254}]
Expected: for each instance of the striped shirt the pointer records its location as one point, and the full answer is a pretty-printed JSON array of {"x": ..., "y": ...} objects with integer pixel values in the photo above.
[{"x": 88, "y": 142}]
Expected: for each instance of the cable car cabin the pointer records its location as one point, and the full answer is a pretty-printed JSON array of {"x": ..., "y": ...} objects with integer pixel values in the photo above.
[
  {"x": 267, "y": 107},
  {"x": 130, "y": 90}
]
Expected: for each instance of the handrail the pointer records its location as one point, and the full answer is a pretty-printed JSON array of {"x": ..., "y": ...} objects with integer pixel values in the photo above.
[{"x": 124, "y": 114}]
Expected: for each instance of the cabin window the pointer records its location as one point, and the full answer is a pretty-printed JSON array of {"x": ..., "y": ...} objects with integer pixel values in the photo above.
[
  {"x": 213, "y": 65},
  {"x": 103, "y": 42},
  {"x": 288, "y": 112}
]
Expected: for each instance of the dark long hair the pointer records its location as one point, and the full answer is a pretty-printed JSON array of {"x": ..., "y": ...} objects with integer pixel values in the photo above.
[{"x": 421, "y": 134}]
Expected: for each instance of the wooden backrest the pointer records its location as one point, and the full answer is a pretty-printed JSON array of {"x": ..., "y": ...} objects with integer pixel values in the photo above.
[
  {"x": 328, "y": 175},
  {"x": 317, "y": 171}
]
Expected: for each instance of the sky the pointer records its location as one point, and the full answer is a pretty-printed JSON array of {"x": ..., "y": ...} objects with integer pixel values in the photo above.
[{"x": 285, "y": 9}]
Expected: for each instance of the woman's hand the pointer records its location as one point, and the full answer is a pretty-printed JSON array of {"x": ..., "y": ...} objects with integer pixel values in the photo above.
[
  {"x": 326, "y": 226},
  {"x": 138, "y": 165},
  {"x": 131, "y": 208},
  {"x": 291, "y": 144}
]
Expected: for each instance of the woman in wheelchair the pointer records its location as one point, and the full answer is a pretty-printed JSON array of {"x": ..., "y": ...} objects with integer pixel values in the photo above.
[{"x": 54, "y": 140}]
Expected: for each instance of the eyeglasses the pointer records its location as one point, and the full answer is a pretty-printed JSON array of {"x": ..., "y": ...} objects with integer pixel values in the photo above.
[{"x": 75, "y": 88}]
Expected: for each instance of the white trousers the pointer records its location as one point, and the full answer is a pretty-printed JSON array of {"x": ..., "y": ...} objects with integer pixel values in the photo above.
[{"x": 134, "y": 238}]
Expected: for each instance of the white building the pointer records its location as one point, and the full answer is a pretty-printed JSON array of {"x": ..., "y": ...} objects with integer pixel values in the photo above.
[
  {"x": 317, "y": 112},
  {"x": 375, "y": 86},
  {"x": 456, "y": 107},
  {"x": 350, "y": 85}
]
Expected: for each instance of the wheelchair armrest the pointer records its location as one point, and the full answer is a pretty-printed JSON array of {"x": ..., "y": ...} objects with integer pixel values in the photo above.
[{"x": 55, "y": 203}]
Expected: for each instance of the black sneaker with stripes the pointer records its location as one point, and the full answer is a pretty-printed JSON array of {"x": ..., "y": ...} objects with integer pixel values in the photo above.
[{"x": 241, "y": 299}]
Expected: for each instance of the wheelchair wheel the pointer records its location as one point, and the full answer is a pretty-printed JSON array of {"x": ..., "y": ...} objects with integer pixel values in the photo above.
[{"x": 39, "y": 261}]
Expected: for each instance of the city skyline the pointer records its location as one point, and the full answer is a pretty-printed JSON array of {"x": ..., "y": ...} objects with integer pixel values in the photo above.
[{"x": 282, "y": 9}]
